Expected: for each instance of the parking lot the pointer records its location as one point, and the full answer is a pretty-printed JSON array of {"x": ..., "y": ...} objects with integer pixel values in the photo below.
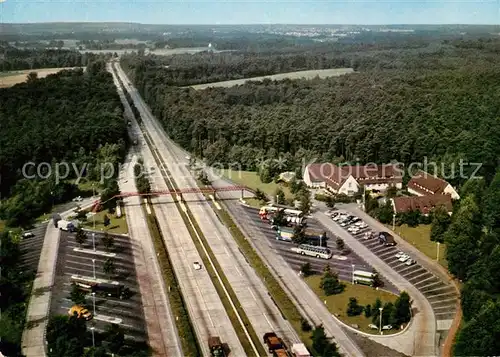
[
  {"x": 441, "y": 295},
  {"x": 31, "y": 247},
  {"x": 343, "y": 267},
  {"x": 128, "y": 313}
]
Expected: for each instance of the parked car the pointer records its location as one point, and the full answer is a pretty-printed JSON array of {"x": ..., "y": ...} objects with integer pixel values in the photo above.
[
  {"x": 387, "y": 327},
  {"x": 28, "y": 235},
  {"x": 399, "y": 254},
  {"x": 410, "y": 262},
  {"x": 373, "y": 327},
  {"x": 404, "y": 258},
  {"x": 196, "y": 266}
]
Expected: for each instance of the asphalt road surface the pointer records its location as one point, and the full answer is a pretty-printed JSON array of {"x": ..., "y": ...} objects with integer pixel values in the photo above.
[
  {"x": 70, "y": 262},
  {"x": 342, "y": 267},
  {"x": 31, "y": 248}
]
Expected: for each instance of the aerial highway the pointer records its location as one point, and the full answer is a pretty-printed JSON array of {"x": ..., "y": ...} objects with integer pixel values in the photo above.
[
  {"x": 249, "y": 290},
  {"x": 205, "y": 308}
]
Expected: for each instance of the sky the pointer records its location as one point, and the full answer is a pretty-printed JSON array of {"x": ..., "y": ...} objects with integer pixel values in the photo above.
[{"x": 254, "y": 12}]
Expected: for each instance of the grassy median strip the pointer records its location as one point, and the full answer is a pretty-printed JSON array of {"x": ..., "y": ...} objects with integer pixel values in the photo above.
[
  {"x": 193, "y": 229},
  {"x": 189, "y": 342},
  {"x": 285, "y": 305}
]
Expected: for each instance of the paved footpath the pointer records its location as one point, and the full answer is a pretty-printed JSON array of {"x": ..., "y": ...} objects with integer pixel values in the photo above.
[{"x": 33, "y": 340}]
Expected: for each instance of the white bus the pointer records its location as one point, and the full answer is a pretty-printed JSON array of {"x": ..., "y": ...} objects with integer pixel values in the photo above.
[
  {"x": 363, "y": 277},
  {"x": 318, "y": 252}
]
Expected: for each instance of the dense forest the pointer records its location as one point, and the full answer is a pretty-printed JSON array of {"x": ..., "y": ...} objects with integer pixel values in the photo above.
[
  {"x": 19, "y": 59},
  {"x": 439, "y": 102},
  {"x": 473, "y": 254},
  {"x": 73, "y": 117}
]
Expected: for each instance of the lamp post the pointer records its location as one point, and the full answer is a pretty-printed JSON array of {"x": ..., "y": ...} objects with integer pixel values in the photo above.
[
  {"x": 437, "y": 254},
  {"x": 380, "y": 327},
  {"x": 93, "y": 240},
  {"x": 93, "y": 340},
  {"x": 393, "y": 221},
  {"x": 93, "y": 266},
  {"x": 93, "y": 301},
  {"x": 353, "y": 274}
]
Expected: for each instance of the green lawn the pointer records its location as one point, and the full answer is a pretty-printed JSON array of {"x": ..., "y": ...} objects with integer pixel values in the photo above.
[
  {"x": 419, "y": 237},
  {"x": 337, "y": 304},
  {"x": 117, "y": 226},
  {"x": 252, "y": 180}
]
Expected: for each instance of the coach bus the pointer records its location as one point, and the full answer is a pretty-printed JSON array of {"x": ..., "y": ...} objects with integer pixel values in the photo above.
[
  {"x": 112, "y": 289},
  {"x": 363, "y": 277},
  {"x": 312, "y": 250}
]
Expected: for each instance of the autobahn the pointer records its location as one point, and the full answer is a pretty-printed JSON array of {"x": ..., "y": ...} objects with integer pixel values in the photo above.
[
  {"x": 220, "y": 239},
  {"x": 262, "y": 313},
  {"x": 203, "y": 303}
]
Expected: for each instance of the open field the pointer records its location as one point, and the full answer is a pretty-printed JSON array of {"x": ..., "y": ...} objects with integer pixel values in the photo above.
[
  {"x": 321, "y": 73},
  {"x": 252, "y": 181},
  {"x": 419, "y": 237},
  {"x": 8, "y": 79},
  {"x": 337, "y": 304}
]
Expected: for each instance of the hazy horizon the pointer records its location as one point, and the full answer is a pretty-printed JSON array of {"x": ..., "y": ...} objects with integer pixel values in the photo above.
[{"x": 241, "y": 12}]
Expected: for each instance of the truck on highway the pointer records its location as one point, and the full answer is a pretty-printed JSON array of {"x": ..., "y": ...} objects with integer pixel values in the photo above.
[
  {"x": 275, "y": 345},
  {"x": 300, "y": 350},
  {"x": 215, "y": 346}
]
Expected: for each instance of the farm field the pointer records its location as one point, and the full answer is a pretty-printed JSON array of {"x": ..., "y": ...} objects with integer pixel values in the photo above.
[
  {"x": 321, "y": 73},
  {"x": 8, "y": 79}
]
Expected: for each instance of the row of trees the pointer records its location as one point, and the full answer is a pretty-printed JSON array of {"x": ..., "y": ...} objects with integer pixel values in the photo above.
[
  {"x": 15, "y": 288},
  {"x": 56, "y": 130},
  {"x": 22, "y": 59},
  {"x": 377, "y": 115},
  {"x": 473, "y": 254}
]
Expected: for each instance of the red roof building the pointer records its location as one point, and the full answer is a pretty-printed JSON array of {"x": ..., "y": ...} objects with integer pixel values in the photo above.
[
  {"x": 423, "y": 184},
  {"x": 424, "y": 204}
]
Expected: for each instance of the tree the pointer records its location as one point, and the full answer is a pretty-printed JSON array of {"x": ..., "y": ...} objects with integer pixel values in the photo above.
[
  {"x": 330, "y": 202},
  {"x": 304, "y": 196},
  {"x": 261, "y": 196},
  {"x": 385, "y": 213},
  {"x": 280, "y": 196},
  {"x": 299, "y": 235},
  {"x": 108, "y": 240},
  {"x": 391, "y": 192},
  {"x": 491, "y": 209},
  {"x": 330, "y": 282},
  {"x": 368, "y": 311},
  {"x": 109, "y": 267},
  {"x": 115, "y": 337},
  {"x": 353, "y": 308},
  {"x": 106, "y": 221},
  {"x": 402, "y": 308},
  {"x": 306, "y": 270},
  {"x": 376, "y": 281},
  {"x": 462, "y": 238},
  {"x": 279, "y": 219},
  {"x": 76, "y": 295},
  {"x": 376, "y": 311},
  {"x": 321, "y": 344},
  {"x": 441, "y": 220},
  {"x": 305, "y": 325},
  {"x": 340, "y": 244},
  {"x": 81, "y": 236},
  {"x": 31, "y": 77}
]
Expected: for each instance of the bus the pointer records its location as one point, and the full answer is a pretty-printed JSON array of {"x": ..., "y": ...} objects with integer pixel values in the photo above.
[
  {"x": 314, "y": 251},
  {"x": 111, "y": 289},
  {"x": 363, "y": 277},
  {"x": 292, "y": 215}
]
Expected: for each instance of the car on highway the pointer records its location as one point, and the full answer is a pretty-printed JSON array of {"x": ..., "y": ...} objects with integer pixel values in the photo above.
[
  {"x": 196, "y": 266},
  {"x": 28, "y": 235},
  {"x": 78, "y": 199}
]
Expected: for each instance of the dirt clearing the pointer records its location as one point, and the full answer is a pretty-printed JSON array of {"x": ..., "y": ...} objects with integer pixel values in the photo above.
[{"x": 8, "y": 79}]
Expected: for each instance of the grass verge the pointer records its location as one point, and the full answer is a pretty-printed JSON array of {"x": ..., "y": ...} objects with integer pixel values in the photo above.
[
  {"x": 252, "y": 180},
  {"x": 189, "y": 342},
  {"x": 420, "y": 238},
  {"x": 279, "y": 296},
  {"x": 337, "y": 304}
]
